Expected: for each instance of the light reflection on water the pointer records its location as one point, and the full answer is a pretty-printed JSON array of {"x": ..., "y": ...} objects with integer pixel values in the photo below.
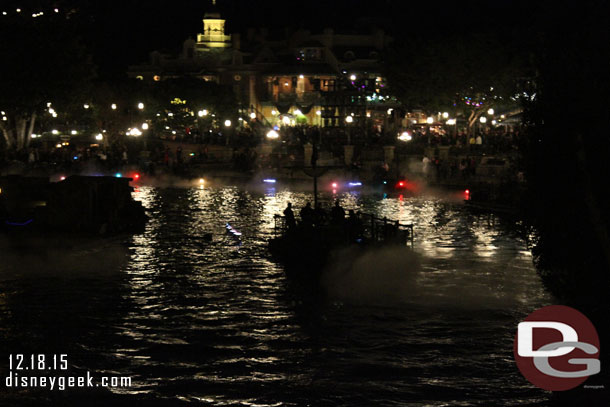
[{"x": 218, "y": 322}]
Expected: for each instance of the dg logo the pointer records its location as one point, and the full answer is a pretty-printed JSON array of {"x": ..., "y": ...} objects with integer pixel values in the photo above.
[{"x": 557, "y": 348}]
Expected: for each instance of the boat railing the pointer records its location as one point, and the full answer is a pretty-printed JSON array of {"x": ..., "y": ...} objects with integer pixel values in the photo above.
[{"x": 372, "y": 228}]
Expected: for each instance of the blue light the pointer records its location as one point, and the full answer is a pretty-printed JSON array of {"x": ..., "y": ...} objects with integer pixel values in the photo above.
[
  {"x": 75, "y": 157},
  {"x": 118, "y": 175},
  {"x": 355, "y": 184},
  {"x": 385, "y": 182},
  {"x": 269, "y": 180}
]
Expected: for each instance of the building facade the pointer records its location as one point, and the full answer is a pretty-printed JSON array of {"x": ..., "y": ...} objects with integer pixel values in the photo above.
[{"x": 328, "y": 79}]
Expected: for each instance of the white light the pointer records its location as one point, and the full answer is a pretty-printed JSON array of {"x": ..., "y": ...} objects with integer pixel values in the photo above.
[
  {"x": 144, "y": 126},
  {"x": 502, "y": 116},
  {"x": 445, "y": 115},
  {"x": 140, "y": 105},
  {"x": 227, "y": 123},
  {"x": 18, "y": 10},
  {"x": 429, "y": 120},
  {"x": 113, "y": 106},
  {"x": 86, "y": 106},
  {"x": 99, "y": 137},
  {"x": 286, "y": 120},
  {"x": 389, "y": 112},
  {"x": 301, "y": 76},
  {"x": 33, "y": 135},
  {"x": 483, "y": 119},
  {"x": 240, "y": 119},
  {"x": 170, "y": 114},
  {"x": 54, "y": 114},
  {"x": 201, "y": 181},
  {"x": 494, "y": 122},
  {"x": 253, "y": 115},
  {"x": 56, "y": 10},
  {"x": 318, "y": 112},
  {"x": 135, "y": 132},
  {"x": 352, "y": 77},
  {"x": 273, "y": 135},
  {"x": 202, "y": 113},
  {"x": 4, "y": 118},
  {"x": 414, "y": 121},
  {"x": 451, "y": 122},
  {"x": 54, "y": 132},
  {"x": 368, "y": 114},
  {"x": 57, "y": 145},
  {"x": 298, "y": 112},
  {"x": 349, "y": 119},
  {"x": 405, "y": 136},
  {"x": 73, "y": 132},
  {"x": 273, "y": 112},
  {"x": 490, "y": 111}
]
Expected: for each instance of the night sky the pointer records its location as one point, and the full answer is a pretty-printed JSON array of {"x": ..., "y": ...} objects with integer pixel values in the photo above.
[{"x": 120, "y": 33}]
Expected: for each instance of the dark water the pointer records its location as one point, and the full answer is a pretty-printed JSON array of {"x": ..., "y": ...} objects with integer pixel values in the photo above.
[{"x": 217, "y": 323}]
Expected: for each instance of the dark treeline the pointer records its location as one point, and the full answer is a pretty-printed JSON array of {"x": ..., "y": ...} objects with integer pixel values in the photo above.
[{"x": 567, "y": 162}]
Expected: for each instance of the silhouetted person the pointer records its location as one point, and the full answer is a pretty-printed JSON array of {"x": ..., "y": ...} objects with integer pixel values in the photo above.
[
  {"x": 337, "y": 213},
  {"x": 307, "y": 215},
  {"x": 354, "y": 225},
  {"x": 289, "y": 216},
  {"x": 320, "y": 215}
]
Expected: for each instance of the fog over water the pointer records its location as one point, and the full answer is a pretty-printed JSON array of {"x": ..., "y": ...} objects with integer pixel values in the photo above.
[{"x": 195, "y": 322}]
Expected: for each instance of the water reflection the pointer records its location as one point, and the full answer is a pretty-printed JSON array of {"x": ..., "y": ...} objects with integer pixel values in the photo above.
[{"x": 192, "y": 319}]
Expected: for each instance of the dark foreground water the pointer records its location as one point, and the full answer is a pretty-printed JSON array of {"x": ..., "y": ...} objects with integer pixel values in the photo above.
[{"x": 217, "y": 323}]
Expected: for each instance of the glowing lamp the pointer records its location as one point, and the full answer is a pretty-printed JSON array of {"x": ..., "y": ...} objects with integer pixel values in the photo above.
[
  {"x": 118, "y": 175},
  {"x": 273, "y": 135},
  {"x": 269, "y": 181},
  {"x": 334, "y": 185},
  {"x": 136, "y": 176}
]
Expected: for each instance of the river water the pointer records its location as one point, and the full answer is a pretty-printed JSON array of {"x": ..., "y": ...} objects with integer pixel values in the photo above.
[{"x": 197, "y": 322}]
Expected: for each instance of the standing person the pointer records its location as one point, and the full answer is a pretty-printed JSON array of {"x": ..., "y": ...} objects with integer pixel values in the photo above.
[
  {"x": 289, "y": 216},
  {"x": 337, "y": 213},
  {"x": 307, "y": 215},
  {"x": 426, "y": 166}
]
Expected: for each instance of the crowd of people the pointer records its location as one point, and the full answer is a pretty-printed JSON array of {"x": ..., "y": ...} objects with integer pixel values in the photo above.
[{"x": 318, "y": 217}]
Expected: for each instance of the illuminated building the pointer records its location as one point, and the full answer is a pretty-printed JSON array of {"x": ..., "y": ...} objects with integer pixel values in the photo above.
[{"x": 293, "y": 77}]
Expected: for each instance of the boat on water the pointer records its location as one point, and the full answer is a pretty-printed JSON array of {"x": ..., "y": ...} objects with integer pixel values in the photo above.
[
  {"x": 77, "y": 204},
  {"x": 305, "y": 249}
]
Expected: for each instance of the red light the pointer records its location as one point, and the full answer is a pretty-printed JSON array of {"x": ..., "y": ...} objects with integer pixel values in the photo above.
[
  {"x": 401, "y": 184},
  {"x": 467, "y": 192},
  {"x": 334, "y": 185},
  {"x": 136, "y": 176}
]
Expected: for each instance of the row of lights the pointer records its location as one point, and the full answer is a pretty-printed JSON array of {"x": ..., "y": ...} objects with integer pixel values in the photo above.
[{"x": 34, "y": 15}]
